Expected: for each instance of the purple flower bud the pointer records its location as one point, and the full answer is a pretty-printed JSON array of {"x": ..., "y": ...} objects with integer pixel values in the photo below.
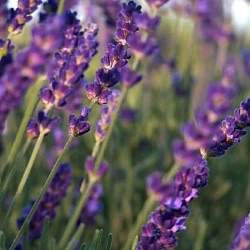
[
  {"x": 93, "y": 90},
  {"x": 47, "y": 97},
  {"x": 78, "y": 126},
  {"x": 33, "y": 129},
  {"x": 96, "y": 174},
  {"x": 130, "y": 78},
  {"x": 107, "y": 79},
  {"x": 46, "y": 123},
  {"x": 85, "y": 112},
  {"x": 103, "y": 97},
  {"x": 147, "y": 23}
]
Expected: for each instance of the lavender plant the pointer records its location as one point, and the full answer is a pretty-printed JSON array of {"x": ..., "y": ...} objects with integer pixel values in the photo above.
[{"x": 73, "y": 80}]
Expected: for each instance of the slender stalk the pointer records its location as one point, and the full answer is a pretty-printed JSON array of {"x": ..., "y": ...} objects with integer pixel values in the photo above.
[
  {"x": 42, "y": 192},
  {"x": 147, "y": 207},
  {"x": 72, "y": 222},
  {"x": 60, "y": 6},
  {"x": 13, "y": 170},
  {"x": 31, "y": 105},
  {"x": 24, "y": 178},
  {"x": 110, "y": 129}
]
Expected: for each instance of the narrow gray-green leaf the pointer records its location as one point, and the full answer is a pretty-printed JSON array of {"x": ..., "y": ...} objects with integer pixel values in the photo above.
[
  {"x": 76, "y": 237},
  {"x": 134, "y": 243},
  {"x": 109, "y": 242},
  {"x": 99, "y": 240},
  {"x": 2, "y": 241},
  {"x": 45, "y": 235}
]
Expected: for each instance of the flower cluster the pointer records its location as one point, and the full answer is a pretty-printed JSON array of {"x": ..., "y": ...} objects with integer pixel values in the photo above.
[
  {"x": 116, "y": 57},
  {"x": 28, "y": 64},
  {"x": 170, "y": 217},
  {"x": 72, "y": 59},
  {"x": 52, "y": 198},
  {"x": 242, "y": 241},
  {"x": 21, "y": 15},
  {"x": 176, "y": 195}
]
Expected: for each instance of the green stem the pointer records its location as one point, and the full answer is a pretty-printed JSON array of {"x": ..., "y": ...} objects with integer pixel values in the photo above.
[
  {"x": 147, "y": 208},
  {"x": 110, "y": 130},
  {"x": 42, "y": 192},
  {"x": 31, "y": 105},
  {"x": 13, "y": 170},
  {"x": 72, "y": 222},
  {"x": 60, "y": 7},
  {"x": 24, "y": 178}
]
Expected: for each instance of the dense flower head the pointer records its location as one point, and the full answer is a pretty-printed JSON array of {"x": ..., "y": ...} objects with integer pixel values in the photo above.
[
  {"x": 242, "y": 240},
  {"x": 78, "y": 125},
  {"x": 21, "y": 15},
  {"x": 71, "y": 61},
  {"x": 102, "y": 126},
  {"x": 163, "y": 223},
  {"x": 29, "y": 63},
  {"x": 51, "y": 199},
  {"x": 116, "y": 56}
]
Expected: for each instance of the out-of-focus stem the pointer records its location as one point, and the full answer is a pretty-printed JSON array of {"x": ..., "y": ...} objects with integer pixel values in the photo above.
[
  {"x": 14, "y": 168},
  {"x": 147, "y": 207},
  {"x": 31, "y": 105},
  {"x": 42, "y": 192},
  {"x": 72, "y": 222},
  {"x": 60, "y": 7},
  {"x": 25, "y": 177}
]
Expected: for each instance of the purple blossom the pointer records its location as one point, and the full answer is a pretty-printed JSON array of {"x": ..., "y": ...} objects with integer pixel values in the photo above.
[
  {"x": 45, "y": 124},
  {"x": 28, "y": 63},
  {"x": 21, "y": 15},
  {"x": 95, "y": 174},
  {"x": 78, "y": 125},
  {"x": 129, "y": 78},
  {"x": 51, "y": 199},
  {"x": 116, "y": 56},
  {"x": 246, "y": 61},
  {"x": 242, "y": 240},
  {"x": 3, "y": 18},
  {"x": 93, "y": 207},
  {"x": 147, "y": 23}
]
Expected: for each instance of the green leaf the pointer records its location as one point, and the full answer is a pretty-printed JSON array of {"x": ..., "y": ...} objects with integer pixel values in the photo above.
[
  {"x": 134, "y": 243},
  {"x": 52, "y": 244},
  {"x": 76, "y": 237},
  {"x": 83, "y": 246},
  {"x": 2, "y": 241},
  {"x": 99, "y": 240},
  {"x": 45, "y": 235},
  {"x": 109, "y": 242}
]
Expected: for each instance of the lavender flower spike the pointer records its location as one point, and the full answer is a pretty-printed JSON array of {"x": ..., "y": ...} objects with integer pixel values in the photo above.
[
  {"x": 242, "y": 241},
  {"x": 52, "y": 198},
  {"x": 21, "y": 15}
]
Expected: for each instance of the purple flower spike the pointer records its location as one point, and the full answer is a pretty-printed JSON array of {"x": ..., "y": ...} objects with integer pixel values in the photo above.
[
  {"x": 52, "y": 198},
  {"x": 99, "y": 173},
  {"x": 242, "y": 241},
  {"x": 78, "y": 126},
  {"x": 107, "y": 79},
  {"x": 130, "y": 78},
  {"x": 21, "y": 15}
]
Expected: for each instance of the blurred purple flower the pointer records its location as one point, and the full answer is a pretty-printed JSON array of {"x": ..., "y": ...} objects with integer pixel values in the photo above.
[
  {"x": 242, "y": 240},
  {"x": 21, "y": 15},
  {"x": 51, "y": 199},
  {"x": 156, "y": 3}
]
